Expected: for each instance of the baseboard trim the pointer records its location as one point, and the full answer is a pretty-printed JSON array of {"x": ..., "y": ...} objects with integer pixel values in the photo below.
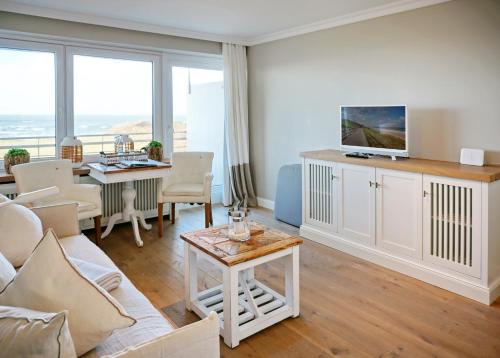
[
  {"x": 265, "y": 203},
  {"x": 472, "y": 290}
]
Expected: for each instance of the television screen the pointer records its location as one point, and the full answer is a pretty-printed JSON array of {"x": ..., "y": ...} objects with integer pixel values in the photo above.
[{"x": 381, "y": 127}]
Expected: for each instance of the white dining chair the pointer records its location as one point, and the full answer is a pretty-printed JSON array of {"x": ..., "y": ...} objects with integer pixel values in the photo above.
[
  {"x": 44, "y": 174},
  {"x": 190, "y": 181}
]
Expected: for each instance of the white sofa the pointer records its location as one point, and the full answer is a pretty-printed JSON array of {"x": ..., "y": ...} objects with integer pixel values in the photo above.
[{"x": 152, "y": 335}]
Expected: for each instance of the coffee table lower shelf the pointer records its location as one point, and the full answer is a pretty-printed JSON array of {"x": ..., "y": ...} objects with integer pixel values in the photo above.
[
  {"x": 271, "y": 305},
  {"x": 244, "y": 305}
]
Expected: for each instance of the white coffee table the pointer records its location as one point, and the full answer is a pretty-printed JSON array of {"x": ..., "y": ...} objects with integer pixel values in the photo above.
[
  {"x": 111, "y": 174},
  {"x": 244, "y": 305}
]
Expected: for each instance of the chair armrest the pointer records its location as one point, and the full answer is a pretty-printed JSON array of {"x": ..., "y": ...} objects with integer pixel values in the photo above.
[
  {"x": 199, "y": 339},
  {"x": 85, "y": 192},
  {"x": 63, "y": 219}
]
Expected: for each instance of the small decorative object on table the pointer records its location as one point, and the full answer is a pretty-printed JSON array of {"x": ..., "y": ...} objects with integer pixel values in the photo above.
[
  {"x": 155, "y": 150},
  {"x": 15, "y": 156},
  {"x": 115, "y": 158},
  {"x": 72, "y": 149},
  {"x": 238, "y": 228},
  {"x": 123, "y": 143}
]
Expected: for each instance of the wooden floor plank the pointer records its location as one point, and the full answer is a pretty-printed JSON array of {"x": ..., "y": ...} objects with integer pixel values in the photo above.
[{"x": 349, "y": 307}]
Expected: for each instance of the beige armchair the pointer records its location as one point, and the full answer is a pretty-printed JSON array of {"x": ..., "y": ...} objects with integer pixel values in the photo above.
[
  {"x": 38, "y": 175},
  {"x": 190, "y": 181}
]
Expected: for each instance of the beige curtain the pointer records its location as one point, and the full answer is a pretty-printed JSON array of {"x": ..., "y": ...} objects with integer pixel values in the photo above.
[{"x": 238, "y": 184}]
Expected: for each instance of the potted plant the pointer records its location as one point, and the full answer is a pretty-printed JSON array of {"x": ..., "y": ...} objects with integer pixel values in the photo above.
[
  {"x": 15, "y": 156},
  {"x": 155, "y": 150}
]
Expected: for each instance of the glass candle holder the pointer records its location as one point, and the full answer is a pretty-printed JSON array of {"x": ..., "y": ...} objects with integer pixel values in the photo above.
[{"x": 238, "y": 227}]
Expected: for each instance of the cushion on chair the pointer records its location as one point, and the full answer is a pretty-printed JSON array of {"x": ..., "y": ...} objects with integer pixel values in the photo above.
[
  {"x": 82, "y": 205},
  {"x": 288, "y": 202},
  {"x": 184, "y": 189}
]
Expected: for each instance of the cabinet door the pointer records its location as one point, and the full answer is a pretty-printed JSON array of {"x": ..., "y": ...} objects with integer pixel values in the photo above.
[
  {"x": 320, "y": 194},
  {"x": 357, "y": 203},
  {"x": 452, "y": 224},
  {"x": 399, "y": 212}
]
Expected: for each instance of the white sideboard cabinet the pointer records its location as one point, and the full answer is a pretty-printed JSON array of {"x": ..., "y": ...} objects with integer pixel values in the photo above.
[{"x": 436, "y": 221}]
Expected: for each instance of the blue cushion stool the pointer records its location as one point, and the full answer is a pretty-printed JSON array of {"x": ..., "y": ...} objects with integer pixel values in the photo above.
[{"x": 288, "y": 202}]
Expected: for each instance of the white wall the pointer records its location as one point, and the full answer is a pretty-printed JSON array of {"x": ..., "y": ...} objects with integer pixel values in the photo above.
[{"x": 443, "y": 61}]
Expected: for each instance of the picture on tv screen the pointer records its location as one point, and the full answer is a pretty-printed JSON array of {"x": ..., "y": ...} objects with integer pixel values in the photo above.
[{"x": 375, "y": 127}]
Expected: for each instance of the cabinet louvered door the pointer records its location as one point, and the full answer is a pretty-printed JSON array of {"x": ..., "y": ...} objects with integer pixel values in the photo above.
[
  {"x": 321, "y": 194},
  {"x": 452, "y": 225}
]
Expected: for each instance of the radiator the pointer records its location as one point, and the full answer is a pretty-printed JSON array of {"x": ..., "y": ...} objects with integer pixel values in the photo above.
[{"x": 145, "y": 200}]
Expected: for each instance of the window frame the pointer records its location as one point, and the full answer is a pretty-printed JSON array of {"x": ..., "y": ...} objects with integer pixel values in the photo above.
[
  {"x": 176, "y": 60},
  {"x": 59, "y": 95},
  {"x": 163, "y": 60},
  {"x": 71, "y": 51}
]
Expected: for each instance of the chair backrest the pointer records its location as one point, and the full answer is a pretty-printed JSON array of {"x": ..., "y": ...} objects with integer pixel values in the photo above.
[
  {"x": 191, "y": 167},
  {"x": 44, "y": 174}
]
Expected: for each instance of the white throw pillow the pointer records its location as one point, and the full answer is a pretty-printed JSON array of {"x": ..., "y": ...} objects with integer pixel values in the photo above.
[
  {"x": 20, "y": 232},
  {"x": 28, "y": 333},
  {"x": 49, "y": 282},
  {"x": 7, "y": 272}
]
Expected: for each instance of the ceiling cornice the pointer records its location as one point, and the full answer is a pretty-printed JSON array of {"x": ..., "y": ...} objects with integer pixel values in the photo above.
[
  {"x": 11, "y": 6},
  {"x": 374, "y": 12}
]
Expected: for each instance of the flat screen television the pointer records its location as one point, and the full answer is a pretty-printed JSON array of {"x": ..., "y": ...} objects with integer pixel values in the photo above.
[{"x": 381, "y": 130}]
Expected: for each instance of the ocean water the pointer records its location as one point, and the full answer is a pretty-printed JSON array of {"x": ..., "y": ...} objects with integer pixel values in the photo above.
[{"x": 16, "y": 125}]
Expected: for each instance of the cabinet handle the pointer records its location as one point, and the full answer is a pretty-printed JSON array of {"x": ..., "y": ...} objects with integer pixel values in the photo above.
[
  {"x": 334, "y": 177},
  {"x": 426, "y": 193},
  {"x": 375, "y": 184}
]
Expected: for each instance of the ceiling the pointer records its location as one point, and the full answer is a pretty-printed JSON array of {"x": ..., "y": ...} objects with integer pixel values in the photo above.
[{"x": 240, "y": 21}]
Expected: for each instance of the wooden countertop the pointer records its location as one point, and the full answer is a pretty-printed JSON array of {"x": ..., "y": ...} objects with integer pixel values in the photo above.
[
  {"x": 9, "y": 178},
  {"x": 487, "y": 173}
]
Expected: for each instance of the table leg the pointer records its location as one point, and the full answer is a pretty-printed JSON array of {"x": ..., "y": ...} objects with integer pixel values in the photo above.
[
  {"x": 144, "y": 224},
  {"x": 292, "y": 281},
  {"x": 190, "y": 276},
  {"x": 129, "y": 213},
  {"x": 111, "y": 223},
  {"x": 230, "y": 307}
]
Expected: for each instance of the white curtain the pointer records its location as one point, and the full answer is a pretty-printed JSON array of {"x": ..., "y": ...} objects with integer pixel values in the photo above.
[{"x": 238, "y": 183}]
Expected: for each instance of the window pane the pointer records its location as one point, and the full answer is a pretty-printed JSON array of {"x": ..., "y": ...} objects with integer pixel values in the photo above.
[
  {"x": 27, "y": 102},
  {"x": 198, "y": 107},
  {"x": 112, "y": 96}
]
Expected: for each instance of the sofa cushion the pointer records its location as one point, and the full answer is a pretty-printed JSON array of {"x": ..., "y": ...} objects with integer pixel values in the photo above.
[
  {"x": 49, "y": 282},
  {"x": 7, "y": 272},
  {"x": 29, "y": 333},
  {"x": 20, "y": 232},
  {"x": 150, "y": 323},
  {"x": 186, "y": 189}
]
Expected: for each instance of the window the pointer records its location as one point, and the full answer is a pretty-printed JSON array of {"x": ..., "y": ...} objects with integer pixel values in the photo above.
[
  {"x": 198, "y": 111},
  {"x": 111, "y": 95},
  {"x": 28, "y": 97}
]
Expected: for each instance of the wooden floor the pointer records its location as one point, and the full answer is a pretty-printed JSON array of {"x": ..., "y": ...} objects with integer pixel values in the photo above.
[{"x": 349, "y": 307}]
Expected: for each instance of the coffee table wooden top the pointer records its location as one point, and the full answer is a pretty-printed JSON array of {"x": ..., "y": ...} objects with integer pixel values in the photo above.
[{"x": 264, "y": 241}]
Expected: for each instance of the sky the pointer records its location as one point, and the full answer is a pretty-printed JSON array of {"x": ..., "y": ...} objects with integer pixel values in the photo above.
[{"x": 102, "y": 86}]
